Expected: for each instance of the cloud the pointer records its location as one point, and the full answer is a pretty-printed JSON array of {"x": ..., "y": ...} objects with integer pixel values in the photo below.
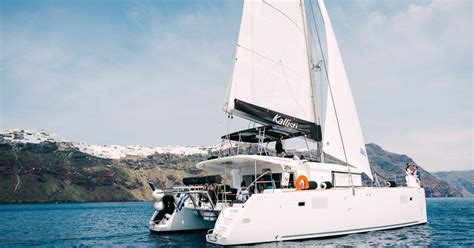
[
  {"x": 439, "y": 149},
  {"x": 410, "y": 68},
  {"x": 156, "y": 73},
  {"x": 147, "y": 84}
]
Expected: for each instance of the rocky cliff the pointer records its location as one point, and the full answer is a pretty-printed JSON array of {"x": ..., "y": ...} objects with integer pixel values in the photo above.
[
  {"x": 461, "y": 180},
  {"x": 43, "y": 173},
  {"x": 391, "y": 166},
  {"x": 54, "y": 170}
]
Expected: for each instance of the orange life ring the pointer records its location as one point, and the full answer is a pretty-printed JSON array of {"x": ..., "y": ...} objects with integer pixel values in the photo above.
[{"x": 305, "y": 182}]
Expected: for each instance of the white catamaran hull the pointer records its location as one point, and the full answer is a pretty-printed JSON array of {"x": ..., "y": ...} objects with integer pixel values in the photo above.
[
  {"x": 290, "y": 215},
  {"x": 185, "y": 220}
]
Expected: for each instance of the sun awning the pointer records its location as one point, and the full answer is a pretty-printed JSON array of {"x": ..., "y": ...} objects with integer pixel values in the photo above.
[
  {"x": 270, "y": 133},
  {"x": 239, "y": 161}
]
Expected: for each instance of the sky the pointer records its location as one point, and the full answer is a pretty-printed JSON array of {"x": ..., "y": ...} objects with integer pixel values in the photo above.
[{"x": 155, "y": 73}]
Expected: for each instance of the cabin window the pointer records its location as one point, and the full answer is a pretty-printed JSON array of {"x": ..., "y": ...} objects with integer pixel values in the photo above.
[{"x": 268, "y": 181}]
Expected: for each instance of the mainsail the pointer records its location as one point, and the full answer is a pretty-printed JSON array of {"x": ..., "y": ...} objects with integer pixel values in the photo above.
[
  {"x": 271, "y": 81},
  {"x": 341, "y": 102}
]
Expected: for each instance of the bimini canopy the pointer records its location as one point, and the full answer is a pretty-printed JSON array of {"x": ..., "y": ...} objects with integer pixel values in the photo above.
[
  {"x": 275, "y": 163},
  {"x": 270, "y": 133},
  {"x": 239, "y": 161}
]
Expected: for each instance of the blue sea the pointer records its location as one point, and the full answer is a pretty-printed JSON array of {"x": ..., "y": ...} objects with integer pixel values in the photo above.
[{"x": 450, "y": 223}]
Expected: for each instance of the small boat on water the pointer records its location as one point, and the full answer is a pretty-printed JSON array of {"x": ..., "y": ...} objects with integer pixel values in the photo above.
[
  {"x": 278, "y": 197},
  {"x": 193, "y": 206}
]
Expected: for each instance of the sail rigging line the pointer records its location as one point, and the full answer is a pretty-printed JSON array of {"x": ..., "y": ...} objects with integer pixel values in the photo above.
[
  {"x": 259, "y": 54},
  {"x": 253, "y": 53},
  {"x": 290, "y": 90},
  {"x": 229, "y": 86},
  {"x": 285, "y": 15},
  {"x": 282, "y": 67},
  {"x": 321, "y": 155},
  {"x": 267, "y": 70},
  {"x": 279, "y": 62},
  {"x": 310, "y": 71},
  {"x": 317, "y": 94},
  {"x": 230, "y": 117},
  {"x": 332, "y": 97}
]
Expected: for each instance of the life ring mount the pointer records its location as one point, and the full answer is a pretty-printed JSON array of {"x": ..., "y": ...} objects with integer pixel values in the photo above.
[{"x": 298, "y": 181}]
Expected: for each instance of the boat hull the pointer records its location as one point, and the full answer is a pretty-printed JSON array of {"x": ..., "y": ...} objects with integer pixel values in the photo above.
[
  {"x": 291, "y": 215},
  {"x": 184, "y": 220}
]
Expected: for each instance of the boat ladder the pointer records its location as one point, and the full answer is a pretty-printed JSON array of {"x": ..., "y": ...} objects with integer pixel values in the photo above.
[{"x": 226, "y": 220}]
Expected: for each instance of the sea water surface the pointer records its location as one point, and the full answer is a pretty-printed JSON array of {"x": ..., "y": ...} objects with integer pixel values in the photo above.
[{"x": 450, "y": 223}]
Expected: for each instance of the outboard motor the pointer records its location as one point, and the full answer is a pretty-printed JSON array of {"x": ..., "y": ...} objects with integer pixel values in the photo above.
[
  {"x": 152, "y": 185},
  {"x": 164, "y": 204},
  {"x": 158, "y": 195}
]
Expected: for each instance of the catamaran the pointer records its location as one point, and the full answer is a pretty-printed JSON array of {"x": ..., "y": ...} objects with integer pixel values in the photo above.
[{"x": 289, "y": 196}]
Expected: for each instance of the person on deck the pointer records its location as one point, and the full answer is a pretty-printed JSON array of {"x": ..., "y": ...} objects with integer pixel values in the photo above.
[
  {"x": 243, "y": 193},
  {"x": 416, "y": 174},
  {"x": 408, "y": 171},
  {"x": 279, "y": 147}
]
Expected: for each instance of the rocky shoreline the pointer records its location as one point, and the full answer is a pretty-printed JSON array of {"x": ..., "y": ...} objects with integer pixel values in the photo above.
[{"x": 58, "y": 171}]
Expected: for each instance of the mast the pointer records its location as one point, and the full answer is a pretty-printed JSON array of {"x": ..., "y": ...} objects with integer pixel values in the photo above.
[{"x": 311, "y": 77}]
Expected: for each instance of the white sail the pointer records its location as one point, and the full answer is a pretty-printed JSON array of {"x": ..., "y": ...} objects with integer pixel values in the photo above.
[
  {"x": 345, "y": 108},
  {"x": 271, "y": 67}
]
